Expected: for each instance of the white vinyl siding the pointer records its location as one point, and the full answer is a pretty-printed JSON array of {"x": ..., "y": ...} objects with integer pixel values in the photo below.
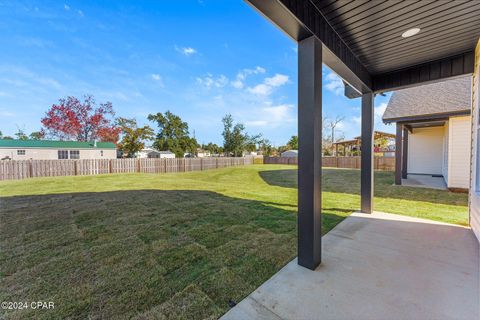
[
  {"x": 425, "y": 150},
  {"x": 445, "y": 152},
  {"x": 459, "y": 145},
  {"x": 474, "y": 205}
]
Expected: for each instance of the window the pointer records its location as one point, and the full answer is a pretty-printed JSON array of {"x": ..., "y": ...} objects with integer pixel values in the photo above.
[
  {"x": 74, "y": 154},
  {"x": 20, "y": 152},
  {"x": 101, "y": 153},
  {"x": 62, "y": 154}
]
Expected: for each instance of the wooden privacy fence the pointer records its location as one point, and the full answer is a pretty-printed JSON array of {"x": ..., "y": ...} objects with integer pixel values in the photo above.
[
  {"x": 380, "y": 163},
  {"x": 21, "y": 169}
]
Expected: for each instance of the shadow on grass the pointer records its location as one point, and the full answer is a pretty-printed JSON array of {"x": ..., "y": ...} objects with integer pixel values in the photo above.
[
  {"x": 143, "y": 253},
  {"x": 348, "y": 181}
]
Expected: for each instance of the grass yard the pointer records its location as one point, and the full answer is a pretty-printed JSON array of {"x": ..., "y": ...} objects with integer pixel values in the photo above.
[{"x": 171, "y": 246}]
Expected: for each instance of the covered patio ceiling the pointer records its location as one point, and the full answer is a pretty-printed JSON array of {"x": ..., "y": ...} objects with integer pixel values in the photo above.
[
  {"x": 363, "y": 42},
  {"x": 374, "y": 46}
]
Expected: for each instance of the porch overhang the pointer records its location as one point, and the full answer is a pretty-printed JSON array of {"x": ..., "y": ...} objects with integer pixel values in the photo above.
[
  {"x": 367, "y": 44},
  {"x": 369, "y": 53}
]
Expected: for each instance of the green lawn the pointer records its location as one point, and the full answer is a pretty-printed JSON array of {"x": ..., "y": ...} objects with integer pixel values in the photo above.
[{"x": 170, "y": 246}]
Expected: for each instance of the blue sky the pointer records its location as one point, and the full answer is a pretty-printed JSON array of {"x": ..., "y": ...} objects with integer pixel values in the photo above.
[{"x": 201, "y": 59}]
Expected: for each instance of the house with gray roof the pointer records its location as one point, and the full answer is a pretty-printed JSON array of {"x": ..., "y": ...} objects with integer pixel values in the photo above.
[{"x": 433, "y": 131}]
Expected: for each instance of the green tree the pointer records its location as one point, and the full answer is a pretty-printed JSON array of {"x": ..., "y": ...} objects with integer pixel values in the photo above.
[
  {"x": 235, "y": 139},
  {"x": 293, "y": 143},
  {"x": 266, "y": 147},
  {"x": 173, "y": 134},
  {"x": 37, "y": 135},
  {"x": 212, "y": 148},
  {"x": 20, "y": 134},
  {"x": 133, "y": 137}
]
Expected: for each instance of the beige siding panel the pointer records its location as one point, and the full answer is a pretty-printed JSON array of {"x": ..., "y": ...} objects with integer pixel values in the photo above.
[
  {"x": 459, "y": 152},
  {"x": 474, "y": 204},
  {"x": 425, "y": 150},
  {"x": 52, "y": 154},
  {"x": 446, "y": 139}
]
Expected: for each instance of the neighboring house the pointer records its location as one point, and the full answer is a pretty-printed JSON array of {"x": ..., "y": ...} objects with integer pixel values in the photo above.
[
  {"x": 383, "y": 145},
  {"x": 203, "y": 153},
  {"x": 142, "y": 154},
  {"x": 436, "y": 124},
  {"x": 161, "y": 154},
  {"x": 154, "y": 153},
  {"x": 290, "y": 154},
  {"x": 51, "y": 150}
]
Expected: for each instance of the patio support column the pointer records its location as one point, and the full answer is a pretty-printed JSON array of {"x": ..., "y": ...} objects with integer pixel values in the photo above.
[
  {"x": 398, "y": 155},
  {"x": 309, "y": 152},
  {"x": 366, "y": 188},
  {"x": 405, "y": 152}
]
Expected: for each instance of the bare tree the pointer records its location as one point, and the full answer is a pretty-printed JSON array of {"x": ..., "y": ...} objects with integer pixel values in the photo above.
[{"x": 332, "y": 125}]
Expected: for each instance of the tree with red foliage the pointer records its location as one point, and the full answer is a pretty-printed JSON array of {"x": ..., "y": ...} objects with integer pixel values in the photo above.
[{"x": 81, "y": 121}]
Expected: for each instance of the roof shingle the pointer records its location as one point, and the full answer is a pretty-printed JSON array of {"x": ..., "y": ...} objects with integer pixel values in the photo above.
[{"x": 451, "y": 96}]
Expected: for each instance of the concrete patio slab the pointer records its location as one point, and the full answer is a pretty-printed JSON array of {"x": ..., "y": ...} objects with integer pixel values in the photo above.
[
  {"x": 379, "y": 266},
  {"x": 424, "y": 181}
]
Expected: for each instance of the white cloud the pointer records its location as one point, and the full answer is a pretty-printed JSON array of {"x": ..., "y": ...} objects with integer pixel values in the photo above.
[
  {"x": 80, "y": 13},
  {"x": 268, "y": 84},
  {"x": 187, "y": 51},
  {"x": 66, "y": 7},
  {"x": 277, "y": 80},
  {"x": 380, "y": 110},
  {"x": 256, "y": 123},
  {"x": 6, "y": 113},
  {"x": 334, "y": 83},
  {"x": 157, "y": 78},
  {"x": 237, "y": 84},
  {"x": 272, "y": 116},
  {"x": 261, "y": 89},
  {"x": 209, "y": 81},
  {"x": 239, "y": 81}
]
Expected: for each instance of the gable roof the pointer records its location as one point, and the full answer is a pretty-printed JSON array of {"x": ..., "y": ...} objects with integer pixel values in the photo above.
[
  {"x": 441, "y": 99},
  {"x": 9, "y": 143}
]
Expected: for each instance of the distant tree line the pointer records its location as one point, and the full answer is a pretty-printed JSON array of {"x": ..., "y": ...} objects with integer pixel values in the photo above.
[{"x": 86, "y": 120}]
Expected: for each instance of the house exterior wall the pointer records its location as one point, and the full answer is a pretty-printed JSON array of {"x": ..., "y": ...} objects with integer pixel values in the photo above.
[
  {"x": 166, "y": 155},
  {"x": 425, "y": 151},
  {"x": 52, "y": 154},
  {"x": 445, "y": 151},
  {"x": 289, "y": 154},
  {"x": 459, "y": 137},
  {"x": 474, "y": 199}
]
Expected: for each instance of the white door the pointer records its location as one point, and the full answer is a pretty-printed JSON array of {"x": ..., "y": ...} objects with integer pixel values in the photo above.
[{"x": 425, "y": 150}]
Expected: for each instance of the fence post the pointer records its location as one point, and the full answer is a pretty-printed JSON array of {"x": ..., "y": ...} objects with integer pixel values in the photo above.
[
  {"x": 30, "y": 168},
  {"x": 75, "y": 169},
  {"x": 201, "y": 164},
  {"x": 216, "y": 163}
]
